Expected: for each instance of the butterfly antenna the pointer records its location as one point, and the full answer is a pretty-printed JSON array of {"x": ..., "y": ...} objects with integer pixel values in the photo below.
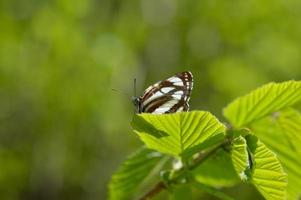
[
  {"x": 135, "y": 87},
  {"x": 120, "y": 92}
]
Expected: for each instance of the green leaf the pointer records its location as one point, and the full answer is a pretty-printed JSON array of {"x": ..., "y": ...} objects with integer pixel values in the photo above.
[
  {"x": 263, "y": 101},
  {"x": 267, "y": 173},
  {"x": 281, "y": 132},
  {"x": 217, "y": 170},
  {"x": 240, "y": 158},
  {"x": 132, "y": 173},
  {"x": 179, "y": 134}
]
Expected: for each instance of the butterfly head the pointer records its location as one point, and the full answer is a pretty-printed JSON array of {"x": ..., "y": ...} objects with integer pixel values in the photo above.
[{"x": 137, "y": 102}]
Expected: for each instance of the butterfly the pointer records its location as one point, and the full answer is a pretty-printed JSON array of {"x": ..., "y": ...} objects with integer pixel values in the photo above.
[{"x": 167, "y": 96}]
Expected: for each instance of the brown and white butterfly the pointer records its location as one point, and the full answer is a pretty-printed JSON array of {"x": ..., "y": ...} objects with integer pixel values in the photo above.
[{"x": 166, "y": 96}]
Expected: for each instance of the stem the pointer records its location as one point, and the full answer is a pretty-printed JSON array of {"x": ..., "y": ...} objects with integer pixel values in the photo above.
[
  {"x": 199, "y": 160},
  {"x": 154, "y": 191}
]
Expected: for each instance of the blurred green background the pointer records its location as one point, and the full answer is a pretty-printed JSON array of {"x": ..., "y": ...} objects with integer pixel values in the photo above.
[{"x": 63, "y": 131}]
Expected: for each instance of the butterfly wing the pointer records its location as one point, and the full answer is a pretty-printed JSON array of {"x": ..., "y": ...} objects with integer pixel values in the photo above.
[{"x": 168, "y": 96}]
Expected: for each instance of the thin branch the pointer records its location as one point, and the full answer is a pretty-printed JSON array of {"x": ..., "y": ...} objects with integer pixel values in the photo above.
[{"x": 154, "y": 191}]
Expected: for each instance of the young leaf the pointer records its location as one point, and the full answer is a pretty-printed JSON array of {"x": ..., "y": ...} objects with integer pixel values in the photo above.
[
  {"x": 267, "y": 173},
  {"x": 178, "y": 134},
  {"x": 132, "y": 172},
  {"x": 263, "y": 101},
  {"x": 281, "y": 133},
  {"x": 240, "y": 158}
]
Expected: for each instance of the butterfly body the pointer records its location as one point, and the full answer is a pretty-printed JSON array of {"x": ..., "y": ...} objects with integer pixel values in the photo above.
[{"x": 166, "y": 96}]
